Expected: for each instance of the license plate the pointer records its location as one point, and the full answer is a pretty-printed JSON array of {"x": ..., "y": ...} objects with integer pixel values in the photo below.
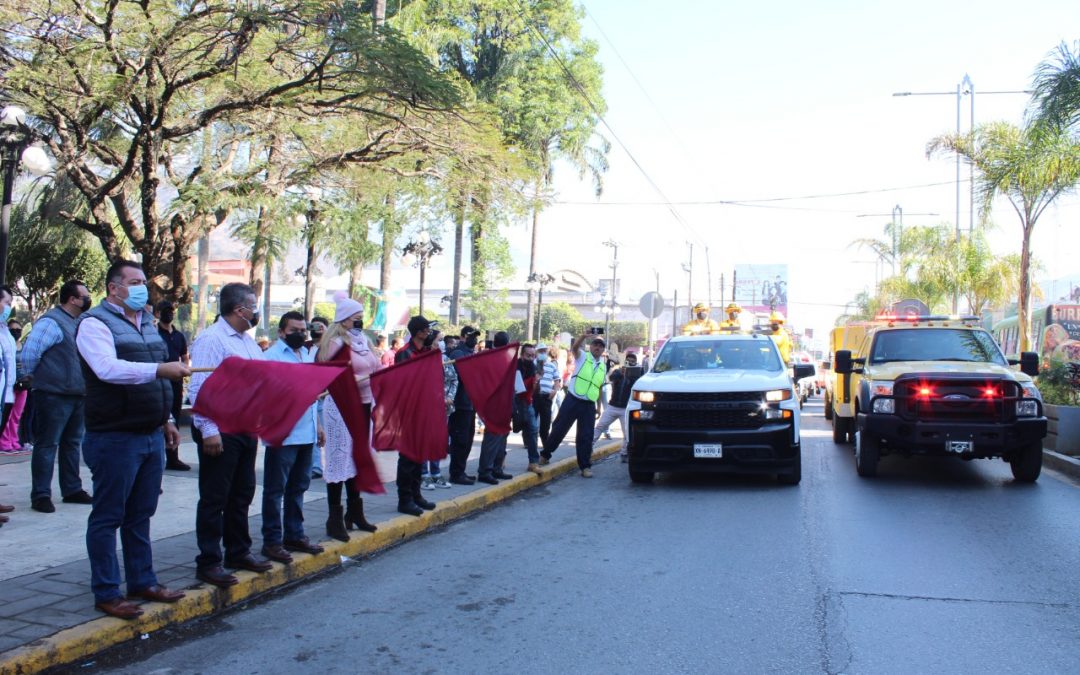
[
  {"x": 708, "y": 450},
  {"x": 959, "y": 446}
]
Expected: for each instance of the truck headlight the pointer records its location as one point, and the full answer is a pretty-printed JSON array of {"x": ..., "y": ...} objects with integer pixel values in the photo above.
[
  {"x": 884, "y": 406},
  {"x": 644, "y": 396},
  {"x": 777, "y": 395},
  {"x": 881, "y": 388},
  {"x": 1027, "y": 408}
]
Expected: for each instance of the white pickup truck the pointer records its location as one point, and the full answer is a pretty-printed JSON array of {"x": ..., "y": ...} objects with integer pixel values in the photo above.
[{"x": 716, "y": 403}]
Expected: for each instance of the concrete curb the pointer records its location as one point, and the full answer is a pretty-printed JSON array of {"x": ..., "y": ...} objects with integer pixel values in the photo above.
[
  {"x": 1070, "y": 466},
  {"x": 84, "y": 640}
]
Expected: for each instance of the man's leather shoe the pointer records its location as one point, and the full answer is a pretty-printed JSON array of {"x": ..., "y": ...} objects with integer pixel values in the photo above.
[
  {"x": 409, "y": 508},
  {"x": 487, "y": 478},
  {"x": 80, "y": 497},
  {"x": 424, "y": 504},
  {"x": 120, "y": 608},
  {"x": 276, "y": 553},
  {"x": 545, "y": 459},
  {"x": 250, "y": 563},
  {"x": 43, "y": 504},
  {"x": 177, "y": 466},
  {"x": 6, "y": 508},
  {"x": 462, "y": 480},
  {"x": 157, "y": 594},
  {"x": 4, "y": 519},
  {"x": 534, "y": 468},
  {"x": 303, "y": 546},
  {"x": 216, "y": 576},
  {"x": 501, "y": 475}
]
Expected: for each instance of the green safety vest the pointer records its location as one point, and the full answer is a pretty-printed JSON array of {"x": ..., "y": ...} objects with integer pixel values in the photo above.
[{"x": 589, "y": 380}]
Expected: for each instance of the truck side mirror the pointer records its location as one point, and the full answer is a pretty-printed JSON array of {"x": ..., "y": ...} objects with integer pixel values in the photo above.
[
  {"x": 1029, "y": 363},
  {"x": 803, "y": 370},
  {"x": 843, "y": 364}
]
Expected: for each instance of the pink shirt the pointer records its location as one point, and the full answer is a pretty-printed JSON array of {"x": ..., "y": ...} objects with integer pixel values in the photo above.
[{"x": 364, "y": 362}]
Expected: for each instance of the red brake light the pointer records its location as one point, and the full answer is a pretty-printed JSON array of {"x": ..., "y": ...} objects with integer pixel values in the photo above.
[
  {"x": 990, "y": 392},
  {"x": 926, "y": 392}
]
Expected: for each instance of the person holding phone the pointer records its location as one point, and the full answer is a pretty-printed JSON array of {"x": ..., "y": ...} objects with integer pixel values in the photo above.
[{"x": 622, "y": 381}]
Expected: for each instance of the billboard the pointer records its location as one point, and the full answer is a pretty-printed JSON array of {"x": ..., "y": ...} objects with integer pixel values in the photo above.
[{"x": 762, "y": 288}]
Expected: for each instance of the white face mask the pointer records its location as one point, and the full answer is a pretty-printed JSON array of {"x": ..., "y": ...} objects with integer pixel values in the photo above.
[
  {"x": 541, "y": 357},
  {"x": 442, "y": 346}
]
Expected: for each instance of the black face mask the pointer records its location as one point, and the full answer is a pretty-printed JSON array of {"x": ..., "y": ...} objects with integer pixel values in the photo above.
[
  {"x": 358, "y": 324},
  {"x": 295, "y": 340},
  {"x": 15, "y": 333},
  {"x": 430, "y": 339},
  {"x": 166, "y": 316},
  {"x": 470, "y": 342},
  {"x": 527, "y": 367},
  {"x": 87, "y": 303},
  {"x": 316, "y": 335}
]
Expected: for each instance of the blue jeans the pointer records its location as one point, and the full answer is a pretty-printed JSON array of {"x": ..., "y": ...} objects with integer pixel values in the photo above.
[
  {"x": 582, "y": 412},
  {"x": 57, "y": 425},
  {"x": 286, "y": 476},
  {"x": 430, "y": 468},
  {"x": 126, "y": 470},
  {"x": 530, "y": 430}
]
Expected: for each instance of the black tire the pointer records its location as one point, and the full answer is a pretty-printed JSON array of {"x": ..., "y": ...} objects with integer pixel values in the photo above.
[
  {"x": 795, "y": 475},
  {"x": 1026, "y": 462},
  {"x": 840, "y": 429},
  {"x": 867, "y": 453},
  {"x": 828, "y": 406},
  {"x": 642, "y": 477}
]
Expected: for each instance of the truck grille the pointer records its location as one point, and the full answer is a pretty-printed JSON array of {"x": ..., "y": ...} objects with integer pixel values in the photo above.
[
  {"x": 732, "y": 410},
  {"x": 956, "y": 399}
]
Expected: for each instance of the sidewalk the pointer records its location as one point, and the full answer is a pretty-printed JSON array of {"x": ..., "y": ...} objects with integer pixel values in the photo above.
[{"x": 47, "y": 615}]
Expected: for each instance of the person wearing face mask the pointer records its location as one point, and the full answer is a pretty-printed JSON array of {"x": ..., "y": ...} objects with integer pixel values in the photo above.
[
  {"x": 346, "y": 333},
  {"x": 10, "y": 437},
  {"x": 410, "y": 501},
  {"x": 317, "y": 328},
  {"x": 123, "y": 363},
  {"x": 462, "y": 421},
  {"x": 50, "y": 363},
  {"x": 287, "y": 469},
  {"x": 549, "y": 383},
  {"x": 226, "y": 461},
  {"x": 178, "y": 351},
  {"x": 430, "y": 472}
]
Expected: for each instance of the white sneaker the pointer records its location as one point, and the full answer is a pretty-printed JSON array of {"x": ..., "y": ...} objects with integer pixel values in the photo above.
[
  {"x": 440, "y": 482},
  {"x": 426, "y": 483}
]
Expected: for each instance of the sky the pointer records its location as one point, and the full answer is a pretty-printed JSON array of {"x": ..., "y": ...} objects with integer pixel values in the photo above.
[{"x": 755, "y": 101}]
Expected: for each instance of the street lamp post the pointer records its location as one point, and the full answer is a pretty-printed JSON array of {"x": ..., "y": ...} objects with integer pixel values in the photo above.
[
  {"x": 536, "y": 282},
  {"x": 419, "y": 253},
  {"x": 314, "y": 195},
  {"x": 15, "y": 145}
]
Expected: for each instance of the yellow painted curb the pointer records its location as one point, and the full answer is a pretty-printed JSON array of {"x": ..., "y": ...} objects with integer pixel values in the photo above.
[{"x": 87, "y": 639}]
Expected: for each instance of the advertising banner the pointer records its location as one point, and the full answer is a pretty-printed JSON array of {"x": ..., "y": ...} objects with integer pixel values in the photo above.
[{"x": 762, "y": 288}]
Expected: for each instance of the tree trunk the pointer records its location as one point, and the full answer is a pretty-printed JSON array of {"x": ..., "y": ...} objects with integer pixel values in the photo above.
[
  {"x": 309, "y": 268},
  {"x": 356, "y": 273},
  {"x": 459, "y": 238},
  {"x": 1022, "y": 319},
  {"x": 479, "y": 279},
  {"x": 204, "y": 295},
  {"x": 532, "y": 270},
  {"x": 378, "y": 14},
  {"x": 267, "y": 276},
  {"x": 389, "y": 236}
]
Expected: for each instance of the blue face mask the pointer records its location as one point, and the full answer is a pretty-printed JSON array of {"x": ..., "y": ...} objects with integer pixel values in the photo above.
[
  {"x": 6, "y": 314},
  {"x": 137, "y": 297}
]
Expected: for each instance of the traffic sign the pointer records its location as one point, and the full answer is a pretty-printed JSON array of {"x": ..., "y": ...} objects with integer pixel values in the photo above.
[{"x": 652, "y": 304}]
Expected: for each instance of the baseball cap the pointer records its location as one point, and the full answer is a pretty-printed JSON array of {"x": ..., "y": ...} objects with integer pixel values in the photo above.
[
  {"x": 541, "y": 347},
  {"x": 466, "y": 331},
  {"x": 417, "y": 324}
]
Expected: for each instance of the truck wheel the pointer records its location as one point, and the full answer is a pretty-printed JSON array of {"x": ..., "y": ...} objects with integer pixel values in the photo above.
[
  {"x": 828, "y": 407},
  {"x": 641, "y": 477},
  {"x": 867, "y": 451},
  {"x": 795, "y": 475},
  {"x": 840, "y": 426},
  {"x": 1026, "y": 462}
]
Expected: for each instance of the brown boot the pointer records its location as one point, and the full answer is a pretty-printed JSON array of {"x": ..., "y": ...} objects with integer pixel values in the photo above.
[
  {"x": 335, "y": 524},
  {"x": 172, "y": 460}
]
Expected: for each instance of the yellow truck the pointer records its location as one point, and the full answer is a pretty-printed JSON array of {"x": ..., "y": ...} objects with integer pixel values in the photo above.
[{"x": 934, "y": 385}]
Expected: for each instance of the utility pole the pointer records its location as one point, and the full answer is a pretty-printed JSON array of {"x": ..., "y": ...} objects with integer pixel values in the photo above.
[
  {"x": 708, "y": 276},
  {"x": 689, "y": 269},
  {"x": 610, "y": 309}
]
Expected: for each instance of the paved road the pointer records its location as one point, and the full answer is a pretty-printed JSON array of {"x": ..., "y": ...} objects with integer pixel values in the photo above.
[{"x": 934, "y": 566}]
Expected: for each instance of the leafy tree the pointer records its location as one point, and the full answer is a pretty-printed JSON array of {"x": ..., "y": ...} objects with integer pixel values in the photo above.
[
  {"x": 1056, "y": 99},
  {"x": 124, "y": 89},
  {"x": 1030, "y": 170}
]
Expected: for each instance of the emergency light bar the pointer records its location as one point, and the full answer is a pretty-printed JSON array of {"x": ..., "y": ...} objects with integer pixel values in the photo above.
[{"x": 891, "y": 319}]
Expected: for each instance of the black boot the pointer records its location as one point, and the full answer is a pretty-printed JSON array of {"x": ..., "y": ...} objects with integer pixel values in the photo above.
[
  {"x": 172, "y": 460},
  {"x": 423, "y": 503},
  {"x": 354, "y": 514},
  {"x": 335, "y": 524},
  {"x": 408, "y": 507}
]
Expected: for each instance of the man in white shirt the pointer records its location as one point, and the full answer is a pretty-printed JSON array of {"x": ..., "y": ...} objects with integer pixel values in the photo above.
[{"x": 226, "y": 461}]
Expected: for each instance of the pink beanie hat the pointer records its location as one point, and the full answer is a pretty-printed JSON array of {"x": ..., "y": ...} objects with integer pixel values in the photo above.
[{"x": 346, "y": 306}]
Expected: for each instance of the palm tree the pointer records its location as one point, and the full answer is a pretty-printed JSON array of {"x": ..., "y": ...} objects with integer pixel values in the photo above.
[
  {"x": 1055, "y": 103},
  {"x": 1030, "y": 169}
]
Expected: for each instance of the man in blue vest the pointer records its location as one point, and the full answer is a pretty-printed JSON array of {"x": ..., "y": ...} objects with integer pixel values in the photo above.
[
  {"x": 128, "y": 424},
  {"x": 579, "y": 406},
  {"x": 50, "y": 361}
]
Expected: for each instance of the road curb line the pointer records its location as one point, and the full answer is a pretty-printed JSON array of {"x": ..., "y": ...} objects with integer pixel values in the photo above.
[
  {"x": 82, "y": 641},
  {"x": 1070, "y": 466}
]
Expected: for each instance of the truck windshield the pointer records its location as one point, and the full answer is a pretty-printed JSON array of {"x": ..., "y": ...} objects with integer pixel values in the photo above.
[
  {"x": 935, "y": 344},
  {"x": 748, "y": 354}
]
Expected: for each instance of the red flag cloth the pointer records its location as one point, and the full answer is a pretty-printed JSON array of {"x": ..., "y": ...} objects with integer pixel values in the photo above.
[
  {"x": 488, "y": 377},
  {"x": 244, "y": 396},
  {"x": 410, "y": 409},
  {"x": 357, "y": 417}
]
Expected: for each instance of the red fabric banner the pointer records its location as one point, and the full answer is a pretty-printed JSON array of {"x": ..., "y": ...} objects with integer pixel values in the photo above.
[
  {"x": 488, "y": 377},
  {"x": 357, "y": 418},
  {"x": 243, "y": 396},
  {"x": 410, "y": 410}
]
